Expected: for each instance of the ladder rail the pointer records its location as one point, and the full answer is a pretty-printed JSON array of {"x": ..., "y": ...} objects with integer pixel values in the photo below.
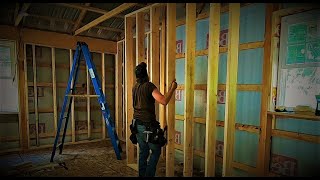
[
  {"x": 101, "y": 99},
  {"x": 70, "y": 102},
  {"x": 65, "y": 103},
  {"x": 82, "y": 48}
]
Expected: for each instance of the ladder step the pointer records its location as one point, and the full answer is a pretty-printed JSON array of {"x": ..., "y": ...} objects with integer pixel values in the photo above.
[{"x": 82, "y": 95}]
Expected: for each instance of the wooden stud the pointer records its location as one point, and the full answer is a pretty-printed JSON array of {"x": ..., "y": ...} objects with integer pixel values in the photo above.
[
  {"x": 88, "y": 104},
  {"x": 35, "y": 92},
  {"x": 140, "y": 38},
  {"x": 189, "y": 90},
  {"x": 265, "y": 137},
  {"x": 25, "y": 123},
  {"x": 155, "y": 50},
  {"x": 231, "y": 88},
  {"x": 73, "y": 126},
  {"x": 124, "y": 125},
  {"x": 170, "y": 76},
  {"x": 129, "y": 78},
  {"x": 104, "y": 92},
  {"x": 162, "y": 110},
  {"x": 23, "y": 114},
  {"x": 54, "y": 88},
  {"x": 213, "y": 67},
  {"x": 119, "y": 95}
]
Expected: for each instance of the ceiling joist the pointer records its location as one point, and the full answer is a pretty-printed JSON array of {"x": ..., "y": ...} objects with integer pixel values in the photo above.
[
  {"x": 80, "y": 18},
  {"x": 106, "y": 16}
]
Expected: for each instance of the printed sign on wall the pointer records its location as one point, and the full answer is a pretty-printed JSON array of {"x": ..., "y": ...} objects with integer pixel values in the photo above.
[
  {"x": 32, "y": 128},
  {"x": 223, "y": 38},
  {"x": 219, "y": 148},
  {"x": 83, "y": 125},
  {"x": 221, "y": 97},
  {"x": 179, "y": 45},
  {"x": 178, "y": 95},
  {"x": 283, "y": 165},
  {"x": 39, "y": 91},
  {"x": 177, "y": 137}
]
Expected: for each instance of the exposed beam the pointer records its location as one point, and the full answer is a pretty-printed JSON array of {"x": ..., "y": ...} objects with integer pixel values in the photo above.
[
  {"x": 87, "y": 8},
  {"x": 106, "y": 16},
  {"x": 80, "y": 18},
  {"x": 21, "y": 13},
  {"x": 57, "y": 40},
  {"x": 108, "y": 28}
]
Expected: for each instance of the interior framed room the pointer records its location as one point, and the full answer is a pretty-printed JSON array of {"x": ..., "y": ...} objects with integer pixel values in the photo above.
[{"x": 247, "y": 101}]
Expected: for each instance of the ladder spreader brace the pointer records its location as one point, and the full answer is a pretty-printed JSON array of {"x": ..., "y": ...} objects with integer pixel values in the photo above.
[{"x": 83, "y": 48}]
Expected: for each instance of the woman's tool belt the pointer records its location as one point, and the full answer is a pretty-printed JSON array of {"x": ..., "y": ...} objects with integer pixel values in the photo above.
[
  {"x": 154, "y": 133},
  {"x": 134, "y": 131}
]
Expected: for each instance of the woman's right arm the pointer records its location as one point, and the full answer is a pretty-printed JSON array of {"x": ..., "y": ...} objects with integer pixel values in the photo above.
[{"x": 164, "y": 99}]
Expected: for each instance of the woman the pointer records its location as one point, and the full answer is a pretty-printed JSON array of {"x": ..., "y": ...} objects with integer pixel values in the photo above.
[{"x": 145, "y": 93}]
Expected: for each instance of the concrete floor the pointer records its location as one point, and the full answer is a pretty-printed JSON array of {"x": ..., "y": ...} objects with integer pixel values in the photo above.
[{"x": 94, "y": 159}]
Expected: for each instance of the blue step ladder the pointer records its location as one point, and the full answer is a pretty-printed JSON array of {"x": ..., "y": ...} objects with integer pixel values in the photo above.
[{"x": 83, "y": 48}]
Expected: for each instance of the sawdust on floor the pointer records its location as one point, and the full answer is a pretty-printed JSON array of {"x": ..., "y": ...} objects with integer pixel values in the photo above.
[{"x": 96, "y": 159}]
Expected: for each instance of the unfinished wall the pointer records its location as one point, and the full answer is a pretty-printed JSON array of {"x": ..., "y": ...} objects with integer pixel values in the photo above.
[
  {"x": 288, "y": 157},
  {"x": 84, "y": 109}
]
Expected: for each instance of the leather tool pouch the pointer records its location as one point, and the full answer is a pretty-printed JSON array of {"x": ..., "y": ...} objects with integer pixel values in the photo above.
[{"x": 134, "y": 131}]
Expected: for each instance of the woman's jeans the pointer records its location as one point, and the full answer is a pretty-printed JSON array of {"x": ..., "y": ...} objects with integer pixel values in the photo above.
[{"x": 147, "y": 169}]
